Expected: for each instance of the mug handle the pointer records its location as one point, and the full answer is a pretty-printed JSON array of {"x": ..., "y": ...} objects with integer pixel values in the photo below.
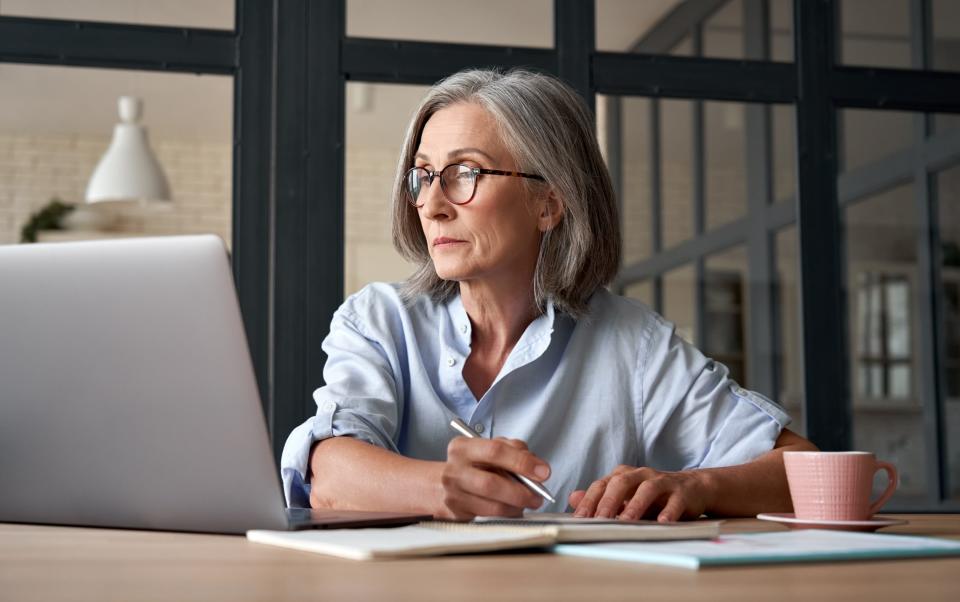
[{"x": 891, "y": 488}]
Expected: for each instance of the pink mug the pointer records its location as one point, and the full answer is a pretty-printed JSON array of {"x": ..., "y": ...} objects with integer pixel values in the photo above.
[{"x": 836, "y": 485}]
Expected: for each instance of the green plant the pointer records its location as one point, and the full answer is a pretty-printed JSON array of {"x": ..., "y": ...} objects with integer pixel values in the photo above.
[{"x": 50, "y": 217}]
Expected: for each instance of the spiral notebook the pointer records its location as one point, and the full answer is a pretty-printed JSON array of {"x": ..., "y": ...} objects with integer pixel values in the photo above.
[
  {"x": 484, "y": 535},
  {"x": 577, "y": 530},
  {"x": 425, "y": 539}
]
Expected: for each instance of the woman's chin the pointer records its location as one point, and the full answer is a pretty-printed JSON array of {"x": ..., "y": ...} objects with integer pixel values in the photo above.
[{"x": 456, "y": 275}]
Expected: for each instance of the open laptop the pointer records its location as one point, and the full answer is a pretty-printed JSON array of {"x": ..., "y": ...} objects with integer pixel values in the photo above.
[{"x": 127, "y": 393}]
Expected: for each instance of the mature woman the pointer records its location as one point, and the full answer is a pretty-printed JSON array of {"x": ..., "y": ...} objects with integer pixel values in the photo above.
[{"x": 503, "y": 201}]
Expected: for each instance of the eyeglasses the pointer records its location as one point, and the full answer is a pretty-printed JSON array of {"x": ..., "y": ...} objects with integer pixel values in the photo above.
[{"x": 458, "y": 182}]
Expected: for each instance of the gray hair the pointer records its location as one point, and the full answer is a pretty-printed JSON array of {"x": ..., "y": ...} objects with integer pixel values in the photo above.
[{"x": 549, "y": 131}]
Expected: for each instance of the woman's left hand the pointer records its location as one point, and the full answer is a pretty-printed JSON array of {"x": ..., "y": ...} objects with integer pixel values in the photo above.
[{"x": 632, "y": 493}]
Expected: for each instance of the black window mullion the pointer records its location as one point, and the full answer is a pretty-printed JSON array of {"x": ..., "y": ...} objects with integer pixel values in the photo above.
[
  {"x": 613, "y": 136},
  {"x": 115, "y": 45},
  {"x": 252, "y": 230},
  {"x": 693, "y": 77},
  {"x": 308, "y": 177},
  {"x": 324, "y": 209},
  {"x": 760, "y": 321},
  {"x": 698, "y": 177},
  {"x": 288, "y": 318},
  {"x": 656, "y": 197},
  {"x": 574, "y": 39},
  {"x": 400, "y": 61},
  {"x": 825, "y": 373},
  {"x": 929, "y": 286}
]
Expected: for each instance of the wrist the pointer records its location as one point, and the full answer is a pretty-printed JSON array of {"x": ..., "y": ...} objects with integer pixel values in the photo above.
[
  {"x": 437, "y": 504},
  {"x": 708, "y": 486}
]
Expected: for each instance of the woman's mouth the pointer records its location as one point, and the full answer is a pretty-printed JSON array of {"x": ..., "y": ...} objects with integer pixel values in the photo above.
[{"x": 443, "y": 241}]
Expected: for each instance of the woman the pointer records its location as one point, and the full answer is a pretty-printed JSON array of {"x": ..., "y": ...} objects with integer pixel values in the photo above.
[{"x": 503, "y": 200}]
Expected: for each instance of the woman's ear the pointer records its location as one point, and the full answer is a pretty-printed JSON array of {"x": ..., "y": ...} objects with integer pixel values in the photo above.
[{"x": 551, "y": 212}]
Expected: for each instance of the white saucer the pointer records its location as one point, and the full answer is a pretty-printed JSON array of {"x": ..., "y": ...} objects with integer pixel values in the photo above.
[{"x": 790, "y": 520}]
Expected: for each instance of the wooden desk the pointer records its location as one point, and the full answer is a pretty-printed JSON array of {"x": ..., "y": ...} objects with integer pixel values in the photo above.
[{"x": 53, "y": 563}]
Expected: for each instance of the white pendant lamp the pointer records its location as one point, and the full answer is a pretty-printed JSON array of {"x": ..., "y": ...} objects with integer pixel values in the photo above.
[{"x": 128, "y": 171}]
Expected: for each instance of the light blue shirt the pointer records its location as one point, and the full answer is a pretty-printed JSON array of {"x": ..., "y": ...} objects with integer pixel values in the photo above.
[{"x": 616, "y": 387}]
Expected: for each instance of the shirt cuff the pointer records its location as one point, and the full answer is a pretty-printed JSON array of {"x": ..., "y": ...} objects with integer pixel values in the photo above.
[
  {"x": 294, "y": 465},
  {"x": 749, "y": 431}
]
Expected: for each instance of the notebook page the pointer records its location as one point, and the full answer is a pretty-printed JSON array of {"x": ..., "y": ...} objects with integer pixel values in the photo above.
[
  {"x": 426, "y": 539},
  {"x": 572, "y": 529},
  {"x": 775, "y": 547}
]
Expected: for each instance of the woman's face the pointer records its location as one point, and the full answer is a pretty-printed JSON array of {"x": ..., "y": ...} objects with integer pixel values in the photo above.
[{"x": 496, "y": 235}]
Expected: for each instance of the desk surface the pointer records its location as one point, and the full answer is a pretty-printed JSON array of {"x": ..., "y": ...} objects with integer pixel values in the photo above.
[{"x": 51, "y": 563}]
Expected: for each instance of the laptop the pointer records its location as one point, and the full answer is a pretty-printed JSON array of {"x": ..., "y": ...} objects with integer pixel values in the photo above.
[{"x": 127, "y": 393}]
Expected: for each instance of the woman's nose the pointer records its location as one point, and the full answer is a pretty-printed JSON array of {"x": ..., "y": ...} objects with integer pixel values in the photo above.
[{"x": 435, "y": 205}]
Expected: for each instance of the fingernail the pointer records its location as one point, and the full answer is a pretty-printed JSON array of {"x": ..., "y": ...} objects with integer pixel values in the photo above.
[{"x": 542, "y": 471}]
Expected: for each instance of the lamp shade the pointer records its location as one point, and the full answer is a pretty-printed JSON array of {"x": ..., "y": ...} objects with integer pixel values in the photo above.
[{"x": 128, "y": 171}]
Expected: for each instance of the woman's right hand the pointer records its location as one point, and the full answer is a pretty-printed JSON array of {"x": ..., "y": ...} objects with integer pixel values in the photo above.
[{"x": 475, "y": 480}]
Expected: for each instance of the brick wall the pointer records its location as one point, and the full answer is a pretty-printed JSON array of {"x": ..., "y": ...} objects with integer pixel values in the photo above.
[
  {"x": 369, "y": 255},
  {"x": 34, "y": 169}
]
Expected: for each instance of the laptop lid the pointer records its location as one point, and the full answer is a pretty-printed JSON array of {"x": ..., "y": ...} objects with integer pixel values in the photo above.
[{"x": 127, "y": 393}]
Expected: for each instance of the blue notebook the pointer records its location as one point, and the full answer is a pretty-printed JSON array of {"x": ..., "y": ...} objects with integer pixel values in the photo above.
[{"x": 763, "y": 548}]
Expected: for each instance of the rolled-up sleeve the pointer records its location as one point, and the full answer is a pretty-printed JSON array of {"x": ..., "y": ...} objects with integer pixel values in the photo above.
[
  {"x": 361, "y": 398},
  {"x": 695, "y": 416}
]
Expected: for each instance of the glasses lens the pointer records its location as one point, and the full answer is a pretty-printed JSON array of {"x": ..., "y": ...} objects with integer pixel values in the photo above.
[
  {"x": 416, "y": 182},
  {"x": 458, "y": 182}
]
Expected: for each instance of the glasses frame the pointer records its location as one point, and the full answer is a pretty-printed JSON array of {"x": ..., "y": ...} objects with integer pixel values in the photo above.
[{"x": 477, "y": 172}]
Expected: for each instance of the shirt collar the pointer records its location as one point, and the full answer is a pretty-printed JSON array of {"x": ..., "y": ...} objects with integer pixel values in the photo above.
[{"x": 533, "y": 342}]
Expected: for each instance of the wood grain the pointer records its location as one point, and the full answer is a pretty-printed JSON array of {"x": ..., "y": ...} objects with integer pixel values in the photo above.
[{"x": 65, "y": 563}]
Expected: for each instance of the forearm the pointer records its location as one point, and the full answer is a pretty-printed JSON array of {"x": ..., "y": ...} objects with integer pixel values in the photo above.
[
  {"x": 754, "y": 487},
  {"x": 353, "y": 475}
]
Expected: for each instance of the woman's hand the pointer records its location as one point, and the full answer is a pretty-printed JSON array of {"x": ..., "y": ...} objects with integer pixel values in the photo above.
[
  {"x": 475, "y": 480},
  {"x": 633, "y": 493}
]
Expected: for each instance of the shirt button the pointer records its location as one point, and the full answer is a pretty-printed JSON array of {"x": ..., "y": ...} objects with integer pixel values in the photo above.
[
  {"x": 451, "y": 361},
  {"x": 463, "y": 328},
  {"x": 478, "y": 427},
  {"x": 329, "y": 406}
]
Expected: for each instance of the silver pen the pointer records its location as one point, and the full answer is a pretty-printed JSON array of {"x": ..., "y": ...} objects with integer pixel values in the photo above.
[{"x": 461, "y": 427}]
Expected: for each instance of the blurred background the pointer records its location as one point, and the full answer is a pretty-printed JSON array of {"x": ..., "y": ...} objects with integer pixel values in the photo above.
[{"x": 237, "y": 98}]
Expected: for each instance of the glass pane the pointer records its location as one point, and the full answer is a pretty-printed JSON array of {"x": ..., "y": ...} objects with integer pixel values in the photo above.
[
  {"x": 948, "y": 197},
  {"x": 725, "y": 308},
  {"x": 377, "y": 117},
  {"x": 210, "y": 14},
  {"x": 781, "y": 30},
  {"x": 946, "y": 35},
  {"x": 679, "y": 305},
  {"x": 870, "y": 135},
  {"x": 881, "y": 238},
  {"x": 790, "y": 352},
  {"x": 499, "y": 22},
  {"x": 875, "y": 33},
  {"x": 622, "y": 24},
  {"x": 723, "y": 32},
  {"x": 784, "y": 152},
  {"x": 642, "y": 291},
  {"x": 676, "y": 170},
  {"x": 51, "y": 141},
  {"x": 944, "y": 122},
  {"x": 684, "y": 47},
  {"x": 636, "y": 173},
  {"x": 725, "y": 162}
]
